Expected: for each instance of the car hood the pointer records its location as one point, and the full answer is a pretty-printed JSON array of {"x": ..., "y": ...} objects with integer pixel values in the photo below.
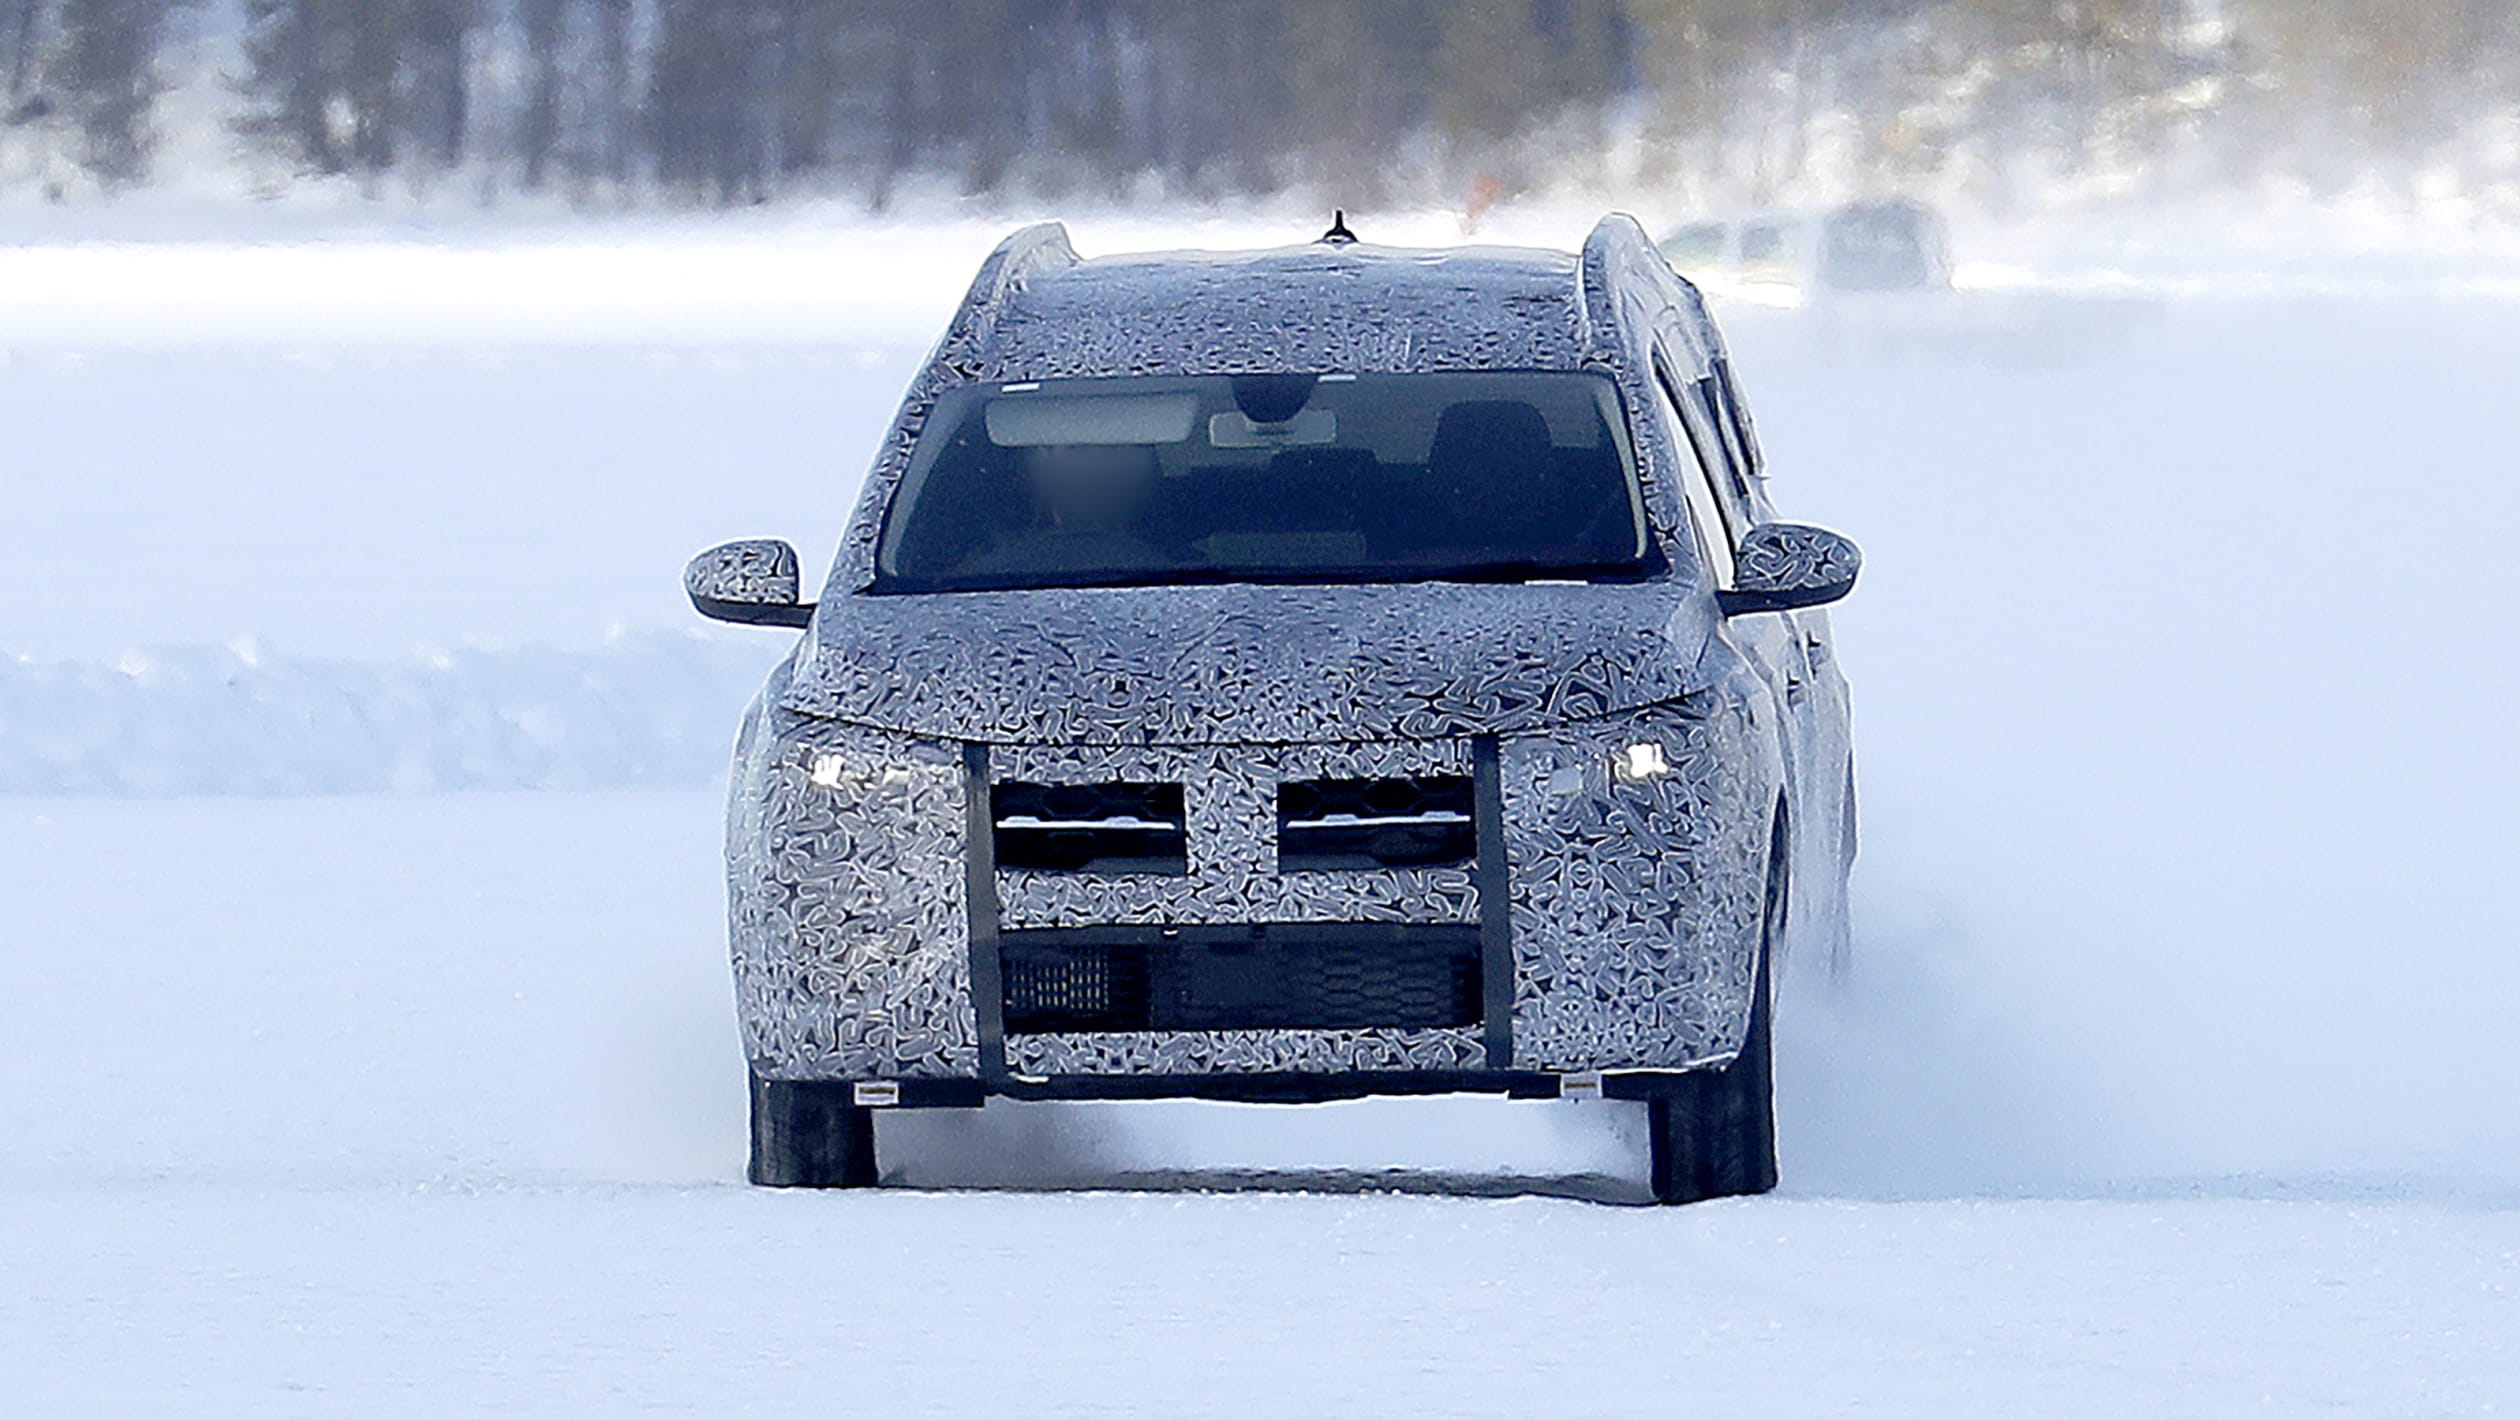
[{"x": 1249, "y": 664}]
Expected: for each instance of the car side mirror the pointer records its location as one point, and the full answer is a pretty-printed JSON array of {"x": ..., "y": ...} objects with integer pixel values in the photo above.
[
  {"x": 751, "y": 583},
  {"x": 1787, "y": 566}
]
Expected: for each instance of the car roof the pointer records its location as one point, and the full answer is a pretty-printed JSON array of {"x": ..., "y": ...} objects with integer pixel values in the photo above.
[{"x": 1321, "y": 307}]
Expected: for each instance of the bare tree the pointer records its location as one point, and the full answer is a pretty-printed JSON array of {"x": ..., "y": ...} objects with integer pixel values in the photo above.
[
  {"x": 721, "y": 101},
  {"x": 22, "y": 29},
  {"x": 107, "y": 69}
]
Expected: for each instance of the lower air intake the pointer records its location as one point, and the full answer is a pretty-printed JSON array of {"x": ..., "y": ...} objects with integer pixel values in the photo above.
[{"x": 1289, "y": 976}]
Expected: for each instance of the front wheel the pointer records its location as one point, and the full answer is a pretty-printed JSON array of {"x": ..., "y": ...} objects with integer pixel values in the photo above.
[
  {"x": 1714, "y": 1131},
  {"x": 809, "y": 1134}
]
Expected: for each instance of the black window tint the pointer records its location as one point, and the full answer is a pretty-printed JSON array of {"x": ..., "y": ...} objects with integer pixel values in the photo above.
[
  {"x": 1295, "y": 478},
  {"x": 1702, "y": 453},
  {"x": 1744, "y": 435}
]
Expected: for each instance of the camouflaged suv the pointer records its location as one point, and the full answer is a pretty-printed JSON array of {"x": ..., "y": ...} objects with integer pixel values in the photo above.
[{"x": 1295, "y": 675}]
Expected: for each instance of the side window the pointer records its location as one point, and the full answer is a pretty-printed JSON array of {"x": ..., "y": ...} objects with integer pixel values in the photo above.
[
  {"x": 1737, "y": 427},
  {"x": 1724, "y": 453},
  {"x": 1690, "y": 440},
  {"x": 1709, "y": 391},
  {"x": 1720, "y": 395}
]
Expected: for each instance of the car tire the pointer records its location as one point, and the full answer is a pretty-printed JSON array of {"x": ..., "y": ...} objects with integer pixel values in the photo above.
[
  {"x": 808, "y": 1134},
  {"x": 1714, "y": 1131}
]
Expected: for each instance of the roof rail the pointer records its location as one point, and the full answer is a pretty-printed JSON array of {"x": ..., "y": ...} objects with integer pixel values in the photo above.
[
  {"x": 1618, "y": 244},
  {"x": 1031, "y": 251}
]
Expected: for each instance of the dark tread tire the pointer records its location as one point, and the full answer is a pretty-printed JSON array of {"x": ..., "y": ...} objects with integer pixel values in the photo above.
[
  {"x": 1714, "y": 1131},
  {"x": 807, "y": 1134}
]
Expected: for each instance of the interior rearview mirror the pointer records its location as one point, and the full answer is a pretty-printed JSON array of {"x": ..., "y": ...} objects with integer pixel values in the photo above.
[
  {"x": 751, "y": 583},
  {"x": 1787, "y": 566}
]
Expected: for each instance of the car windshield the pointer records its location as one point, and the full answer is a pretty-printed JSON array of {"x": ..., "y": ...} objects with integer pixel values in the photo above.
[{"x": 1268, "y": 478}]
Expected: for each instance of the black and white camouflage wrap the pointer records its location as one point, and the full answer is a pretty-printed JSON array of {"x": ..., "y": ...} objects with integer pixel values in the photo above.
[
  {"x": 1636, "y": 904},
  {"x": 758, "y": 571},
  {"x": 1036, "y": 313},
  {"x": 1251, "y": 664},
  {"x": 1230, "y": 794},
  {"x": 845, "y": 900},
  {"x": 1792, "y": 557},
  {"x": 1239, "y": 1052},
  {"x": 1636, "y": 899}
]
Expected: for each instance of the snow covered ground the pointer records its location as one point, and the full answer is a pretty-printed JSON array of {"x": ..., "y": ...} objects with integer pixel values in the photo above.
[
  {"x": 430, "y": 1105},
  {"x": 2177, "y": 1075}
]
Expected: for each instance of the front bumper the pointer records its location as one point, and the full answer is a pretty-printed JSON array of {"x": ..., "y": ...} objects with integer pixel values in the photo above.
[
  {"x": 1615, "y": 920},
  {"x": 1275, "y": 1087}
]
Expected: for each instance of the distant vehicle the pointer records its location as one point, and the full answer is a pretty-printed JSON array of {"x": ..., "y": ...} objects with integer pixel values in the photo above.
[
  {"x": 1295, "y": 675},
  {"x": 1876, "y": 280},
  {"x": 1863, "y": 247}
]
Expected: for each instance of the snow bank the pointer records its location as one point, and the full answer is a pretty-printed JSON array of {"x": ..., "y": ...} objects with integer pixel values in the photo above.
[
  {"x": 806, "y": 277},
  {"x": 156, "y": 274},
  {"x": 650, "y": 709}
]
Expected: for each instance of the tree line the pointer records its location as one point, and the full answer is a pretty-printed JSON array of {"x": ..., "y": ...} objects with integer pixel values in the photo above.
[{"x": 741, "y": 101}]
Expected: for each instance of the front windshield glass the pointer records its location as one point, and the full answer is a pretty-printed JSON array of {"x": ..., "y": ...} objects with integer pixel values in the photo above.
[{"x": 1268, "y": 478}]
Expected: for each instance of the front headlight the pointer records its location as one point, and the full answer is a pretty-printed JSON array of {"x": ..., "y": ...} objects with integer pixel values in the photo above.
[
  {"x": 842, "y": 764},
  {"x": 847, "y": 877},
  {"x": 1639, "y": 762},
  {"x": 1636, "y": 842},
  {"x": 836, "y": 770}
]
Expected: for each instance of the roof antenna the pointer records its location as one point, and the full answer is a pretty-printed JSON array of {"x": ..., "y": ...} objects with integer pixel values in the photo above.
[{"x": 1338, "y": 235}]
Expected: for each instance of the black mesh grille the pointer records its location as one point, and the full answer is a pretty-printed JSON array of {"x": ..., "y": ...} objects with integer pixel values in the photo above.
[
  {"x": 1073, "y": 988},
  {"x": 1090, "y": 828},
  {"x": 1298, "y": 976},
  {"x": 1353, "y": 824}
]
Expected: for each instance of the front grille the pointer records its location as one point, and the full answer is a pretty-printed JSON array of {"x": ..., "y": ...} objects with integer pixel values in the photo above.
[
  {"x": 1362, "y": 824},
  {"x": 1090, "y": 828},
  {"x": 1287, "y": 976}
]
